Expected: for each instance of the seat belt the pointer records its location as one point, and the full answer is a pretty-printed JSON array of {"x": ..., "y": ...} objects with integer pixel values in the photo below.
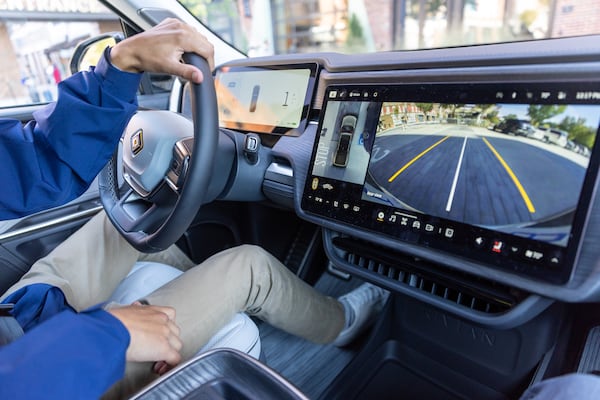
[{"x": 10, "y": 329}]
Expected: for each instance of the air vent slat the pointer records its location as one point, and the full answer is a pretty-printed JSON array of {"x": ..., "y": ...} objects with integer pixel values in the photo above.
[
  {"x": 401, "y": 276},
  {"x": 412, "y": 281},
  {"x": 371, "y": 265},
  {"x": 391, "y": 273},
  {"x": 420, "y": 281}
]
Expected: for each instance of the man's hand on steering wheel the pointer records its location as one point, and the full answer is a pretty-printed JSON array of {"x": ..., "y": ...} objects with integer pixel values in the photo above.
[{"x": 161, "y": 48}]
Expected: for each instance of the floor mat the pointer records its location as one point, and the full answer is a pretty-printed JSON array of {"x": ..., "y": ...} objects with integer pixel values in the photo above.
[{"x": 310, "y": 367}]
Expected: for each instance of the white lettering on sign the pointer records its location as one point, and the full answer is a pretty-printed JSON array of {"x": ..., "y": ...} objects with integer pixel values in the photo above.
[{"x": 83, "y": 6}]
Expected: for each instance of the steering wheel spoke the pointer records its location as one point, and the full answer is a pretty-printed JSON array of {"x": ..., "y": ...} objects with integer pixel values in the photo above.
[
  {"x": 139, "y": 215},
  {"x": 180, "y": 164}
]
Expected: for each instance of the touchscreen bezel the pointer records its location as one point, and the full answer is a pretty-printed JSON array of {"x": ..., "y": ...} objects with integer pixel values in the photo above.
[
  {"x": 362, "y": 214},
  {"x": 262, "y": 128}
]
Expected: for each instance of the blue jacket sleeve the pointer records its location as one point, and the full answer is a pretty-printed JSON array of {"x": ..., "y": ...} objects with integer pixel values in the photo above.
[
  {"x": 55, "y": 157},
  {"x": 63, "y": 355}
]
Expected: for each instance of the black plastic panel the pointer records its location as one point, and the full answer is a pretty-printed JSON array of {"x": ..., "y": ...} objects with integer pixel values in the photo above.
[{"x": 419, "y": 352}]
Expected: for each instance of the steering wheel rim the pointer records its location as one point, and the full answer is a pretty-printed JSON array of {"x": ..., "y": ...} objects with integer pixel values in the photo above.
[{"x": 197, "y": 178}]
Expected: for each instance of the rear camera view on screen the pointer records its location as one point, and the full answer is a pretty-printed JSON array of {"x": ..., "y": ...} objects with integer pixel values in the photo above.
[{"x": 515, "y": 168}]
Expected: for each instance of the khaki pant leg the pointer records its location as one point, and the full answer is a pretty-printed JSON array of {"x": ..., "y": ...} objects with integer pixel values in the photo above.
[
  {"x": 249, "y": 279},
  {"x": 244, "y": 278},
  {"x": 87, "y": 267},
  {"x": 172, "y": 256}
]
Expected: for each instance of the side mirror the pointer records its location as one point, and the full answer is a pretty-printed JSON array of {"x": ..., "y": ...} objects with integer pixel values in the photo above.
[{"x": 88, "y": 52}]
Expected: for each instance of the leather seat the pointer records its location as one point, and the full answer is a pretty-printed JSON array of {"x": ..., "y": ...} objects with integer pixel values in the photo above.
[{"x": 241, "y": 333}]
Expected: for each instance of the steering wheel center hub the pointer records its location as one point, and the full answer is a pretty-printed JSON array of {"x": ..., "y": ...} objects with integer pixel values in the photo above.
[{"x": 148, "y": 148}]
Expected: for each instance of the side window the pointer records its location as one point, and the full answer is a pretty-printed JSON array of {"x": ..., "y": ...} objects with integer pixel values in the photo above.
[{"x": 37, "y": 39}]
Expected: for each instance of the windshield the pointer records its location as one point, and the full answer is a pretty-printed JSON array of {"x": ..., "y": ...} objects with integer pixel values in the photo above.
[{"x": 266, "y": 27}]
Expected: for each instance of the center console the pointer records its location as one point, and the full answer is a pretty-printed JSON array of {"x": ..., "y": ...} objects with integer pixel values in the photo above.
[{"x": 221, "y": 374}]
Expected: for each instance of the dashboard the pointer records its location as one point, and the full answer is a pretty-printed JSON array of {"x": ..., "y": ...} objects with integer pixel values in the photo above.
[{"x": 441, "y": 174}]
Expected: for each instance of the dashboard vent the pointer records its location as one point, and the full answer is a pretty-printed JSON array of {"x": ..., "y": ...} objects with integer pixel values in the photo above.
[{"x": 461, "y": 289}]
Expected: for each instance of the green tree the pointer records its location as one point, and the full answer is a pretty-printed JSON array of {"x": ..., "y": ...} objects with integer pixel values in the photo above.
[
  {"x": 197, "y": 7},
  {"x": 425, "y": 108},
  {"x": 453, "y": 108},
  {"x": 356, "y": 30},
  {"x": 356, "y": 37},
  {"x": 432, "y": 7},
  {"x": 488, "y": 112},
  {"x": 578, "y": 130},
  {"x": 528, "y": 17},
  {"x": 540, "y": 113},
  {"x": 493, "y": 117},
  {"x": 225, "y": 12},
  {"x": 204, "y": 10}
]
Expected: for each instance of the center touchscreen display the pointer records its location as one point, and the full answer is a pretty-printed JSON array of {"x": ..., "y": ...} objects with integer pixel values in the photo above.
[{"x": 498, "y": 173}]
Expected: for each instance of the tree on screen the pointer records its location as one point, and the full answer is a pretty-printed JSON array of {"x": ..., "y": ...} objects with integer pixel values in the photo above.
[
  {"x": 578, "y": 130},
  {"x": 540, "y": 113}
]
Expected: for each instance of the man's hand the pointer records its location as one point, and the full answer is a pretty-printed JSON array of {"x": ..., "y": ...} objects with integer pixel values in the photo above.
[
  {"x": 160, "y": 48},
  {"x": 154, "y": 334}
]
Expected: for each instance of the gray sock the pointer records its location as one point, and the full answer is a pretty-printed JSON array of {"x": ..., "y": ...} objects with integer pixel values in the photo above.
[{"x": 348, "y": 313}]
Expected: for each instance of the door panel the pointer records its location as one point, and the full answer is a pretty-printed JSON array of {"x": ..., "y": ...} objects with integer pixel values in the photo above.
[{"x": 32, "y": 237}]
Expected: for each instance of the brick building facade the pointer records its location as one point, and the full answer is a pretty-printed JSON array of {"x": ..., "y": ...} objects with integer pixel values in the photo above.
[{"x": 575, "y": 17}]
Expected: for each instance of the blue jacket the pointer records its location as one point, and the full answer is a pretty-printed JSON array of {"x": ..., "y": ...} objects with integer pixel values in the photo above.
[
  {"x": 49, "y": 161},
  {"x": 54, "y": 158}
]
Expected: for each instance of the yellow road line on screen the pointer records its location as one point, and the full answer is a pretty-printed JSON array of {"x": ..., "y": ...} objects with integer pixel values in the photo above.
[
  {"x": 415, "y": 159},
  {"x": 514, "y": 178}
]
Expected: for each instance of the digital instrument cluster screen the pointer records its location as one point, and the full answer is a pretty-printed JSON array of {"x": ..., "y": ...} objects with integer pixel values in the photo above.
[
  {"x": 274, "y": 99},
  {"x": 499, "y": 173}
]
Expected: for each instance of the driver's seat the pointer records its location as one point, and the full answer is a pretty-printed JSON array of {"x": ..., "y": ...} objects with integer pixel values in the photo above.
[{"x": 241, "y": 333}]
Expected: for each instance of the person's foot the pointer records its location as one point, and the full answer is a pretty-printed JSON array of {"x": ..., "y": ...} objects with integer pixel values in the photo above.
[{"x": 361, "y": 307}]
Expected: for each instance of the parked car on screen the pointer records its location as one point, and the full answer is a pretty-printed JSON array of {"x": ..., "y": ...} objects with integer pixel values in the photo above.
[
  {"x": 518, "y": 127},
  {"x": 340, "y": 158},
  {"x": 538, "y": 134},
  {"x": 557, "y": 137}
]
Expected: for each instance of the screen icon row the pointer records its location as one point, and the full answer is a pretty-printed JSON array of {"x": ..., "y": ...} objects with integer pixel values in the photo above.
[{"x": 353, "y": 94}]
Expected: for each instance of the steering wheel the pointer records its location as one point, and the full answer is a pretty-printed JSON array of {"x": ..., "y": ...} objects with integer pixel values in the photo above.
[{"x": 165, "y": 183}]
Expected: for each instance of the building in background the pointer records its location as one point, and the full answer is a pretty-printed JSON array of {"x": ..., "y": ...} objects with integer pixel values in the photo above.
[
  {"x": 265, "y": 27},
  {"x": 351, "y": 26},
  {"x": 37, "y": 38},
  {"x": 575, "y": 17}
]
